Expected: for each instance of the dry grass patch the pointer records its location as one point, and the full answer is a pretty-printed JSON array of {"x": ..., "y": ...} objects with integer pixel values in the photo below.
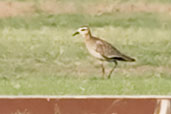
[
  {"x": 57, "y": 7},
  {"x": 9, "y": 9},
  {"x": 127, "y": 8},
  {"x": 147, "y": 68}
]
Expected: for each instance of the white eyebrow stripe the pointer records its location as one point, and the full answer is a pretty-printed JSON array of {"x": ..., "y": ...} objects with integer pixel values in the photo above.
[{"x": 84, "y": 28}]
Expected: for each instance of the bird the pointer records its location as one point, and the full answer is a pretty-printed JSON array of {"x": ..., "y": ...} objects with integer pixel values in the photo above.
[{"x": 102, "y": 50}]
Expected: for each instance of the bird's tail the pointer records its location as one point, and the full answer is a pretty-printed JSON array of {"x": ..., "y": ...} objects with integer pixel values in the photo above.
[
  {"x": 124, "y": 58},
  {"x": 127, "y": 58}
]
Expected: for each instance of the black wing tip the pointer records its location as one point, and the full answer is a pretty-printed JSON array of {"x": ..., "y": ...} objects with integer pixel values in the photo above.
[
  {"x": 129, "y": 59},
  {"x": 126, "y": 59},
  {"x": 133, "y": 60}
]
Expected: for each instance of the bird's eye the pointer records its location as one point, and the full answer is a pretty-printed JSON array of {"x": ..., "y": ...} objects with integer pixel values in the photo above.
[{"x": 83, "y": 29}]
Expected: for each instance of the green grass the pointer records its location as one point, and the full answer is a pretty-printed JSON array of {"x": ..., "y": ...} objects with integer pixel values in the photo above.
[
  {"x": 133, "y": 20},
  {"x": 40, "y": 56},
  {"x": 57, "y": 85}
]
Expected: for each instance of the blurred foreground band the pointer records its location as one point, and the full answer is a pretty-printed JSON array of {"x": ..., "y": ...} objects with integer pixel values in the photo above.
[{"x": 80, "y": 105}]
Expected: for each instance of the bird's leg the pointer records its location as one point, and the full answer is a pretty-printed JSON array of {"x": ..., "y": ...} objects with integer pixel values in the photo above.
[
  {"x": 112, "y": 69},
  {"x": 103, "y": 69}
]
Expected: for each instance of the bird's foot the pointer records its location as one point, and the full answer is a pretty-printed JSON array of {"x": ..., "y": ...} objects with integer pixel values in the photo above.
[{"x": 109, "y": 76}]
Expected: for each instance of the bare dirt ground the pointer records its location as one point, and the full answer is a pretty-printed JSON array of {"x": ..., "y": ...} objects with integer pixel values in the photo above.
[
  {"x": 10, "y": 9},
  {"x": 127, "y": 8}
]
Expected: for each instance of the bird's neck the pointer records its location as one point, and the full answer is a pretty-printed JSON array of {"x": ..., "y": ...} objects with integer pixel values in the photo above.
[{"x": 88, "y": 35}]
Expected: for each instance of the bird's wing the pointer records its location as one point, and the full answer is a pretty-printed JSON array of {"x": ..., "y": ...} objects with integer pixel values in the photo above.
[
  {"x": 110, "y": 52},
  {"x": 106, "y": 49}
]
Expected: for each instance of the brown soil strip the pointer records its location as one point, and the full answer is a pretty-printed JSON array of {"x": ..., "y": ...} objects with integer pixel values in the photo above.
[
  {"x": 77, "y": 106},
  {"x": 128, "y": 8},
  {"x": 9, "y": 9}
]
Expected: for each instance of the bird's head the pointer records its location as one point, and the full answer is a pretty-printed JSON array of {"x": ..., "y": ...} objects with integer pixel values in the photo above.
[{"x": 84, "y": 31}]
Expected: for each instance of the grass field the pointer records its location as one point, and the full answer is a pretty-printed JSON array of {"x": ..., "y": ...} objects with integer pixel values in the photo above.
[{"x": 39, "y": 56}]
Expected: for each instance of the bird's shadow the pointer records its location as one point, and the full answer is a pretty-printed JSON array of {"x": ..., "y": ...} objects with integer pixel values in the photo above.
[{"x": 98, "y": 78}]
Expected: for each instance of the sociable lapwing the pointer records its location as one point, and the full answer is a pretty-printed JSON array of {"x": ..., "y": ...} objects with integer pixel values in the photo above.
[{"x": 102, "y": 50}]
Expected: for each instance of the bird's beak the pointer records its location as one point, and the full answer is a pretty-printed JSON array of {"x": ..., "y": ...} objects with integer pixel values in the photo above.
[{"x": 75, "y": 33}]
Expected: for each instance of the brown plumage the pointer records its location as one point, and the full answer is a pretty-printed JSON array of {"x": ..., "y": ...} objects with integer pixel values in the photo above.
[{"x": 102, "y": 50}]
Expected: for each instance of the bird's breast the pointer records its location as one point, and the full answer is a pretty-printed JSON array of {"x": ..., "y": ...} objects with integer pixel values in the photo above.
[{"x": 92, "y": 50}]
